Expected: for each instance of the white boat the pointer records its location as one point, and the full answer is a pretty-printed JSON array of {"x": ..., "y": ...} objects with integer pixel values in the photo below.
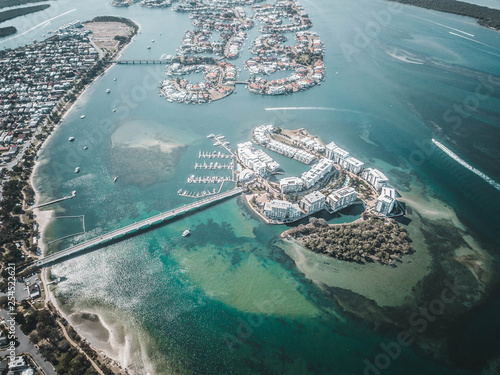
[
  {"x": 149, "y": 47},
  {"x": 77, "y": 169},
  {"x": 186, "y": 233},
  {"x": 71, "y": 139},
  {"x": 85, "y": 147},
  {"x": 82, "y": 116},
  {"x": 116, "y": 178},
  {"x": 108, "y": 91}
]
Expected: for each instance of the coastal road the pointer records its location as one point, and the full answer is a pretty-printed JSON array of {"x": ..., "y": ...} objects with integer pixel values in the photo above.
[{"x": 26, "y": 346}]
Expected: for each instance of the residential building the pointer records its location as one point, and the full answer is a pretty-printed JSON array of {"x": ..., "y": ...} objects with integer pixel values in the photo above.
[
  {"x": 291, "y": 185},
  {"x": 34, "y": 291},
  {"x": 386, "y": 202},
  {"x": 375, "y": 178},
  {"x": 313, "y": 202},
  {"x": 317, "y": 172},
  {"x": 282, "y": 210},
  {"x": 342, "y": 158},
  {"x": 342, "y": 198}
]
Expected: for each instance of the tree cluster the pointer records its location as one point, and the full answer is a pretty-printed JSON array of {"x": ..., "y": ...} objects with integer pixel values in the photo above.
[
  {"x": 372, "y": 240},
  {"x": 486, "y": 16}
]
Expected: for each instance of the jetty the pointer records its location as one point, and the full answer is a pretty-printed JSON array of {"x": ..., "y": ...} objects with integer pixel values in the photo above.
[
  {"x": 133, "y": 229},
  {"x": 73, "y": 194}
]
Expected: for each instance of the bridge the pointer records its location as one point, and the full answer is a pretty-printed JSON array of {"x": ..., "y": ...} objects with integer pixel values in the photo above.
[
  {"x": 134, "y": 228},
  {"x": 139, "y": 62}
]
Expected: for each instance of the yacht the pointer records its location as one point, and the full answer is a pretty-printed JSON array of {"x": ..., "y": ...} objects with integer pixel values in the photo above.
[
  {"x": 82, "y": 116},
  {"x": 186, "y": 233},
  {"x": 77, "y": 169},
  {"x": 71, "y": 139},
  {"x": 108, "y": 91}
]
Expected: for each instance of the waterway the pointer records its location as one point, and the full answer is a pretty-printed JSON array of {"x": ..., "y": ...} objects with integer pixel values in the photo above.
[{"x": 232, "y": 298}]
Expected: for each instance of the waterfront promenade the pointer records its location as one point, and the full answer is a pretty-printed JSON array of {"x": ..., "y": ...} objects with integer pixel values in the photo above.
[{"x": 134, "y": 228}]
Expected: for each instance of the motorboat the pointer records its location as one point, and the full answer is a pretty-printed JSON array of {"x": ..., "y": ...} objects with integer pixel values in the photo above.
[
  {"x": 186, "y": 233},
  {"x": 77, "y": 169},
  {"x": 71, "y": 139}
]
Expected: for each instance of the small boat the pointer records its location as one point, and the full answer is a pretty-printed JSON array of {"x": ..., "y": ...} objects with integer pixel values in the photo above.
[
  {"x": 77, "y": 169},
  {"x": 152, "y": 40},
  {"x": 71, "y": 139},
  {"x": 82, "y": 116},
  {"x": 336, "y": 73},
  {"x": 85, "y": 147},
  {"x": 116, "y": 178},
  {"x": 148, "y": 47},
  {"x": 114, "y": 110},
  {"x": 114, "y": 79},
  {"x": 186, "y": 233},
  {"x": 108, "y": 91}
]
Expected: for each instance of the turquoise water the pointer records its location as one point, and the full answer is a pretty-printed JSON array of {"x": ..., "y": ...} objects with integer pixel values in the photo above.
[{"x": 229, "y": 299}]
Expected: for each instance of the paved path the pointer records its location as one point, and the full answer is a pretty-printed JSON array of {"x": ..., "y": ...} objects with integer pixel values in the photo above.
[{"x": 26, "y": 346}]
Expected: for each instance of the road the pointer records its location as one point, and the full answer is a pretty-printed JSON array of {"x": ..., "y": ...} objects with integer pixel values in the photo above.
[
  {"x": 25, "y": 346},
  {"x": 135, "y": 227}
]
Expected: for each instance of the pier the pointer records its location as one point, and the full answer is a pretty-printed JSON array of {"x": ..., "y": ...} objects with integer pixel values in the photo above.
[
  {"x": 139, "y": 62},
  {"x": 134, "y": 228},
  {"x": 213, "y": 166},
  {"x": 73, "y": 194}
]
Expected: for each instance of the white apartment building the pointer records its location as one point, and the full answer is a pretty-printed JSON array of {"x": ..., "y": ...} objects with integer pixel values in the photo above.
[
  {"x": 386, "y": 201},
  {"x": 342, "y": 198},
  {"x": 342, "y": 158},
  {"x": 282, "y": 210},
  {"x": 375, "y": 178},
  {"x": 317, "y": 172},
  {"x": 313, "y": 202},
  {"x": 291, "y": 185}
]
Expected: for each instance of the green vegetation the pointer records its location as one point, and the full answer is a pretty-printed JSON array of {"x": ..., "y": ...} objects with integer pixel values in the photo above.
[
  {"x": 43, "y": 330},
  {"x": 486, "y": 16},
  {"x": 13, "y": 13},
  {"x": 371, "y": 240},
  {"x": 14, "y": 3}
]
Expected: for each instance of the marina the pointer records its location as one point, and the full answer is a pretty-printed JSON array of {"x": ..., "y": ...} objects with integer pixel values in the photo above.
[
  {"x": 212, "y": 155},
  {"x": 214, "y": 166}
]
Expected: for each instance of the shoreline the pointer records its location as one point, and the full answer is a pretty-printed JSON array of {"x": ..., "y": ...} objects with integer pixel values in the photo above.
[{"x": 44, "y": 217}]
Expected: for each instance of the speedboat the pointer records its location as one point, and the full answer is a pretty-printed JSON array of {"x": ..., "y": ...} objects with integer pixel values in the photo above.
[
  {"x": 77, "y": 169},
  {"x": 71, "y": 139},
  {"x": 186, "y": 233},
  {"x": 82, "y": 116},
  {"x": 116, "y": 178},
  {"x": 108, "y": 91}
]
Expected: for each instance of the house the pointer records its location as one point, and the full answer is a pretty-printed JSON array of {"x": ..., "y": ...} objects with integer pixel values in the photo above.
[{"x": 34, "y": 291}]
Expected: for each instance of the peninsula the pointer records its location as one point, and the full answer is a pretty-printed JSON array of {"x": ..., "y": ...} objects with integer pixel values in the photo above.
[
  {"x": 336, "y": 180},
  {"x": 40, "y": 83},
  {"x": 485, "y": 16}
]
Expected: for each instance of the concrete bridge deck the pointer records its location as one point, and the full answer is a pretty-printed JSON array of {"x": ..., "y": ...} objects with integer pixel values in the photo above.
[{"x": 134, "y": 228}]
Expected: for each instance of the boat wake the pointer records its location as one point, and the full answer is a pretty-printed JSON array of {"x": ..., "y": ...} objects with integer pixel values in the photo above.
[
  {"x": 466, "y": 165},
  {"x": 309, "y": 109}
]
